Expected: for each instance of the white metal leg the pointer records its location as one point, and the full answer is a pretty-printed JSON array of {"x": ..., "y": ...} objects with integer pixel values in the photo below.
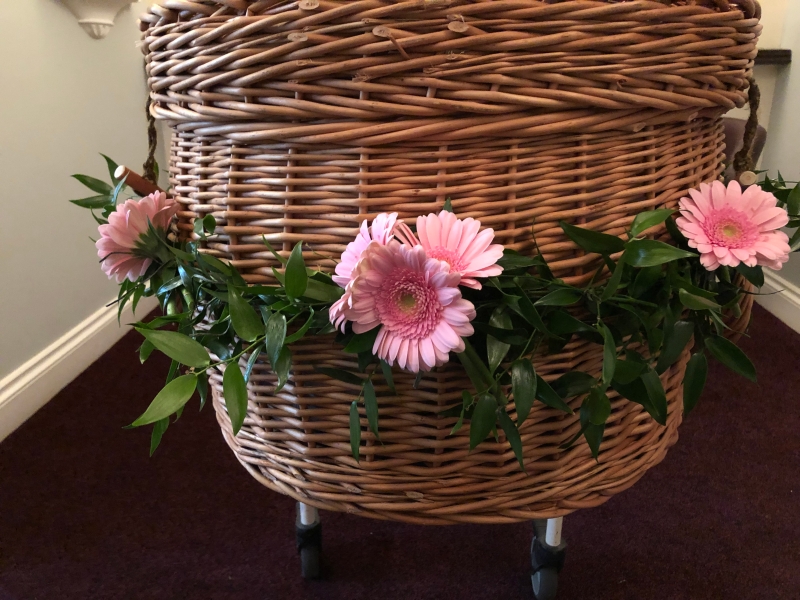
[
  {"x": 553, "y": 536},
  {"x": 310, "y": 516}
]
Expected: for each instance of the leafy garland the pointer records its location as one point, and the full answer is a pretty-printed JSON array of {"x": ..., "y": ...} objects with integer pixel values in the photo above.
[{"x": 656, "y": 300}]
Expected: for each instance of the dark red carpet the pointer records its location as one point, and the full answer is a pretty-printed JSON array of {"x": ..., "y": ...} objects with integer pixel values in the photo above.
[{"x": 85, "y": 514}]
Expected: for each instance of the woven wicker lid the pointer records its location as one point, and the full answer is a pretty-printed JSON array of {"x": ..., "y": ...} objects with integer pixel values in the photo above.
[
  {"x": 338, "y": 64},
  {"x": 175, "y": 9}
]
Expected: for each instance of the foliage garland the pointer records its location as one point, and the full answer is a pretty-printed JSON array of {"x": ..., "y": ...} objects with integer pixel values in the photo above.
[{"x": 645, "y": 303}]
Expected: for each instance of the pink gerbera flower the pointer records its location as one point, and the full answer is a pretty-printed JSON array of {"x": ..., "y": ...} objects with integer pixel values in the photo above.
[
  {"x": 380, "y": 232},
  {"x": 416, "y": 302},
  {"x": 729, "y": 226},
  {"x": 459, "y": 243},
  {"x": 126, "y": 246}
]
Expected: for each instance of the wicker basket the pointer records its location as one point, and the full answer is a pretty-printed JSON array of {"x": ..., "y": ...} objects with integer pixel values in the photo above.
[{"x": 296, "y": 120}]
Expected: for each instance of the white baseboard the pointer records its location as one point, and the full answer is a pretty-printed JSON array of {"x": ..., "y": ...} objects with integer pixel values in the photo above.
[
  {"x": 31, "y": 385},
  {"x": 782, "y": 298}
]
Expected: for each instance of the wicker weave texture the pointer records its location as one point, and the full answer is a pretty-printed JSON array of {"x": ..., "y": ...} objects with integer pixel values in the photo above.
[
  {"x": 295, "y": 121},
  {"x": 297, "y": 443}
]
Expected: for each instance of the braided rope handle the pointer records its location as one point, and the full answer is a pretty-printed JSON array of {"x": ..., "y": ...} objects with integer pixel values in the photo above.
[
  {"x": 149, "y": 166},
  {"x": 743, "y": 161}
]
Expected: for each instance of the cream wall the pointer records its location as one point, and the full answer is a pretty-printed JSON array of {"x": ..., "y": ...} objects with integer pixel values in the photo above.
[
  {"x": 781, "y": 151},
  {"x": 65, "y": 97}
]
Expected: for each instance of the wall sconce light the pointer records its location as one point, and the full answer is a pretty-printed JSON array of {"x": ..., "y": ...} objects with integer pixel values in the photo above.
[{"x": 96, "y": 16}]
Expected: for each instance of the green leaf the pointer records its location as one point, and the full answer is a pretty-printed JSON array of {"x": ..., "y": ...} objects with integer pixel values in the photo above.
[
  {"x": 483, "y": 420},
  {"x": 651, "y": 218},
  {"x": 793, "y": 201},
  {"x": 512, "y": 260},
  {"x": 112, "y": 167},
  {"x": 627, "y": 371},
  {"x": 609, "y": 354},
  {"x": 297, "y": 335},
  {"x": 512, "y": 435},
  {"x": 675, "y": 340},
  {"x": 613, "y": 283},
  {"x": 693, "y": 302},
  {"x": 340, "y": 375},
  {"x": 209, "y": 223},
  {"x": 296, "y": 278},
  {"x": 387, "y": 375},
  {"x": 251, "y": 362},
  {"x": 158, "y": 432},
  {"x": 476, "y": 369},
  {"x": 277, "y": 256},
  {"x": 202, "y": 388},
  {"x": 650, "y": 253},
  {"x": 794, "y": 244},
  {"x": 657, "y": 395},
  {"x": 591, "y": 432},
  {"x": 731, "y": 356},
  {"x": 235, "y": 390},
  {"x": 222, "y": 351},
  {"x": 507, "y": 336},
  {"x": 645, "y": 279},
  {"x": 597, "y": 406},
  {"x": 562, "y": 323},
  {"x": 560, "y": 297},
  {"x": 170, "y": 285},
  {"x": 573, "y": 383},
  {"x": 322, "y": 292},
  {"x": 355, "y": 430},
  {"x": 495, "y": 349},
  {"x": 145, "y": 350},
  {"x": 282, "y": 367},
  {"x": 542, "y": 268},
  {"x": 694, "y": 381},
  {"x": 371, "y": 404},
  {"x": 177, "y": 346},
  {"x": 174, "y": 395},
  {"x": 362, "y": 342},
  {"x": 523, "y": 386},
  {"x": 97, "y": 186},
  {"x": 459, "y": 424},
  {"x": 594, "y": 437},
  {"x": 115, "y": 196},
  {"x": 448, "y": 206},
  {"x": 212, "y": 262},
  {"x": 244, "y": 318},
  {"x": 755, "y": 275},
  {"x": 636, "y": 391},
  {"x": 548, "y": 396},
  {"x": 593, "y": 241},
  {"x": 276, "y": 336},
  {"x": 364, "y": 360},
  {"x": 92, "y": 202},
  {"x": 527, "y": 311}
]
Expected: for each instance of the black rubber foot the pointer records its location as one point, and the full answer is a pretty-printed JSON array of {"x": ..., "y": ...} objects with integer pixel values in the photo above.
[
  {"x": 546, "y": 563},
  {"x": 309, "y": 546}
]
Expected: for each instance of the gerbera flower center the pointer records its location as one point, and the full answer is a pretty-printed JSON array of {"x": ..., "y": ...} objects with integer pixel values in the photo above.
[
  {"x": 730, "y": 228},
  {"x": 451, "y": 257},
  {"x": 407, "y": 304}
]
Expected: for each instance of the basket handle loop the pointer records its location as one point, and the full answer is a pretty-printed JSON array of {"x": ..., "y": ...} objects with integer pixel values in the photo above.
[
  {"x": 149, "y": 166},
  {"x": 743, "y": 161}
]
